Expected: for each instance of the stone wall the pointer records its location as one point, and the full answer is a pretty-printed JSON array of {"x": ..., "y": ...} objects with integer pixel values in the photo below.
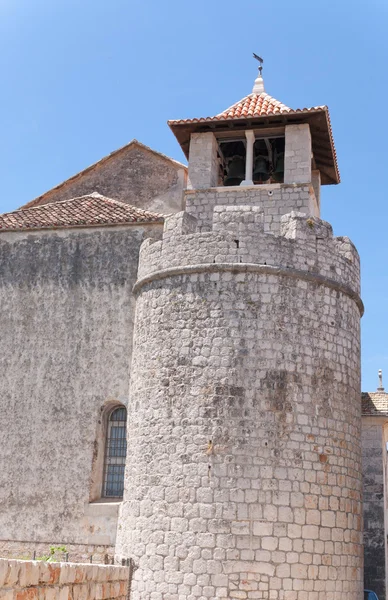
[
  {"x": 38, "y": 580},
  {"x": 134, "y": 175},
  {"x": 66, "y": 324},
  {"x": 274, "y": 200},
  {"x": 78, "y": 553},
  {"x": 373, "y": 497},
  {"x": 244, "y": 461}
]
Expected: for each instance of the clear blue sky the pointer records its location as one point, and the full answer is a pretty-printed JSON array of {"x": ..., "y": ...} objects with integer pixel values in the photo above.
[{"x": 79, "y": 79}]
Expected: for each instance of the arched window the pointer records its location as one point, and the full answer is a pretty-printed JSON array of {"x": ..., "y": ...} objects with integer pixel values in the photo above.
[{"x": 115, "y": 453}]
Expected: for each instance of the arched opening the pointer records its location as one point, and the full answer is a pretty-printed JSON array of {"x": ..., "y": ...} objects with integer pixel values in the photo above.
[{"x": 115, "y": 453}]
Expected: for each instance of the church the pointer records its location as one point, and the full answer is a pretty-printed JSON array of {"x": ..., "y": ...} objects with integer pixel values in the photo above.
[{"x": 180, "y": 374}]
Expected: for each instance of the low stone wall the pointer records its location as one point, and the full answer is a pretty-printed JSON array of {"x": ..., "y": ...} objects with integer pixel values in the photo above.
[
  {"x": 77, "y": 553},
  {"x": 37, "y": 580}
]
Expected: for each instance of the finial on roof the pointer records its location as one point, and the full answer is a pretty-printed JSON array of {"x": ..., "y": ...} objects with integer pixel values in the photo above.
[
  {"x": 258, "y": 88},
  {"x": 380, "y": 388}
]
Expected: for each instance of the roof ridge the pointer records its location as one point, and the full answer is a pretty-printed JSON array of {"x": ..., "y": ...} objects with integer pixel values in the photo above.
[
  {"x": 97, "y": 164},
  {"x": 120, "y": 203},
  {"x": 95, "y": 195},
  {"x": 83, "y": 211},
  {"x": 251, "y": 95}
]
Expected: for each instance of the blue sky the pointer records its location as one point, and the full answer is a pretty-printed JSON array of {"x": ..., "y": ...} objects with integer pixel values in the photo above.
[{"x": 79, "y": 79}]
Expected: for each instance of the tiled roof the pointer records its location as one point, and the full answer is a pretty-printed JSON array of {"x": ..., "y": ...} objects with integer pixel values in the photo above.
[
  {"x": 84, "y": 211},
  {"x": 265, "y": 109},
  {"x": 254, "y": 105},
  {"x": 374, "y": 404}
]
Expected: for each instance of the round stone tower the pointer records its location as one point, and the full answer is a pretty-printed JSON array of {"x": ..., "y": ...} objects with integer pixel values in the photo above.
[{"x": 243, "y": 475}]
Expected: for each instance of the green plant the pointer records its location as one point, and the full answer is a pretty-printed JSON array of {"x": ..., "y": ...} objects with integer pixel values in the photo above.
[{"x": 54, "y": 555}]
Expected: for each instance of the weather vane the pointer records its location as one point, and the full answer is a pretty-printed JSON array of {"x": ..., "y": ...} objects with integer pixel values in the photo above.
[{"x": 260, "y": 61}]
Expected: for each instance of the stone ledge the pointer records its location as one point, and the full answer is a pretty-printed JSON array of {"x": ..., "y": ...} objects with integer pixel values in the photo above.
[
  {"x": 39, "y": 579},
  {"x": 251, "y": 268}
]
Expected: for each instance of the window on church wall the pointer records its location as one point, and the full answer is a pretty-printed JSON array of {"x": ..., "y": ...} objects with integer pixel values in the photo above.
[
  {"x": 115, "y": 453},
  {"x": 268, "y": 160}
]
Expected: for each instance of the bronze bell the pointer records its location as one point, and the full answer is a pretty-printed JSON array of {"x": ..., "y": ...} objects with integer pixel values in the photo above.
[
  {"x": 236, "y": 171},
  {"x": 261, "y": 170},
  {"x": 278, "y": 172}
]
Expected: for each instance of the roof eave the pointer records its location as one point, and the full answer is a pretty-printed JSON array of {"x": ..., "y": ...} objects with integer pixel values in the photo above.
[
  {"x": 329, "y": 170},
  {"x": 79, "y": 226}
]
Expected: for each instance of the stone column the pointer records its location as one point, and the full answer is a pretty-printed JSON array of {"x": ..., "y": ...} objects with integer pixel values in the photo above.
[
  {"x": 297, "y": 158},
  {"x": 203, "y": 161},
  {"x": 249, "y": 158}
]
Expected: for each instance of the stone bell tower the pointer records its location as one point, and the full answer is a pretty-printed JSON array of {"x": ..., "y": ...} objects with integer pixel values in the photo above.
[{"x": 243, "y": 471}]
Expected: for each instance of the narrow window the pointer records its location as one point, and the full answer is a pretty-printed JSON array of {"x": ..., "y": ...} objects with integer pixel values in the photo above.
[{"x": 115, "y": 453}]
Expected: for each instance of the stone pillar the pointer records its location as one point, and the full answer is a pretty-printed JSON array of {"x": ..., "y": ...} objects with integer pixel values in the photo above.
[
  {"x": 203, "y": 161},
  {"x": 297, "y": 158},
  {"x": 243, "y": 475},
  {"x": 250, "y": 136},
  {"x": 316, "y": 183}
]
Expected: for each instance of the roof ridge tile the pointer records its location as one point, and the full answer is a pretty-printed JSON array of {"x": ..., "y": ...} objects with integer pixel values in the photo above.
[{"x": 91, "y": 209}]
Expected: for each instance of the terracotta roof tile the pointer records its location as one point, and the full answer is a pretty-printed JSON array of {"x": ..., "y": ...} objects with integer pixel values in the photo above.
[
  {"x": 84, "y": 211},
  {"x": 262, "y": 105},
  {"x": 374, "y": 404},
  {"x": 254, "y": 105}
]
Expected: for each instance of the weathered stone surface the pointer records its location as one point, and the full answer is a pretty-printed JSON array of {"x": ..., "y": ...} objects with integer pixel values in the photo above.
[
  {"x": 373, "y": 497},
  {"x": 274, "y": 200},
  {"x": 29, "y": 580},
  {"x": 242, "y": 454},
  {"x": 135, "y": 175},
  {"x": 297, "y": 158},
  {"x": 66, "y": 331}
]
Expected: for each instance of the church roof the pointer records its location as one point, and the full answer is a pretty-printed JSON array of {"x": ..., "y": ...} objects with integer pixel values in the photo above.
[
  {"x": 374, "y": 404},
  {"x": 261, "y": 109},
  {"x": 85, "y": 211}
]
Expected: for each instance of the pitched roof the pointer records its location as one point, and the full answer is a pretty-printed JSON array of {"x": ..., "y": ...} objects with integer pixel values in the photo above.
[
  {"x": 262, "y": 109},
  {"x": 254, "y": 105},
  {"x": 85, "y": 211},
  {"x": 374, "y": 404},
  {"x": 101, "y": 162}
]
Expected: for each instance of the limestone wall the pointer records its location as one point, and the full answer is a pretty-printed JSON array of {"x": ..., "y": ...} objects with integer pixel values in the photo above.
[
  {"x": 134, "y": 175},
  {"x": 238, "y": 238},
  {"x": 274, "y": 200},
  {"x": 373, "y": 496},
  {"x": 33, "y": 580},
  {"x": 244, "y": 461},
  {"x": 78, "y": 553},
  {"x": 66, "y": 325}
]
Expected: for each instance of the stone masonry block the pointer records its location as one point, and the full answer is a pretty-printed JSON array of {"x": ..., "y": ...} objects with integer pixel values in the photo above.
[
  {"x": 29, "y": 573},
  {"x": 302, "y": 227},
  {"x": 12, "y": 577},
  {"x": 3, "y": 572},
  {"x": 346, "y": 248},
  {"x": 238, "y": 219},
  {"x": 180, "y": 224}
]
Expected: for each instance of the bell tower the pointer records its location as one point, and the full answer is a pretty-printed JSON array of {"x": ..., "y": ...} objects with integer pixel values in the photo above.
[
  {"x": 262, "y": 145},
  {"x": 243, "y": 474}
]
